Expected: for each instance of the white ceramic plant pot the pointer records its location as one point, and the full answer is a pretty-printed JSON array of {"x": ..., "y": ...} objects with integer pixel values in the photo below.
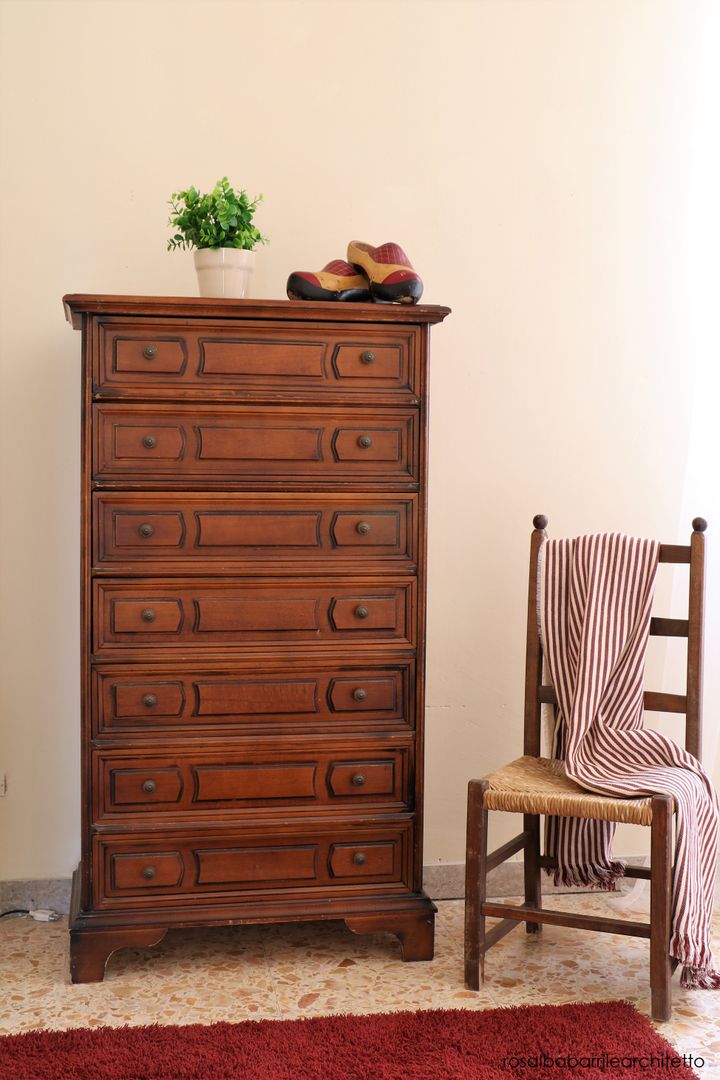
[{"x": 224, "y": 271}]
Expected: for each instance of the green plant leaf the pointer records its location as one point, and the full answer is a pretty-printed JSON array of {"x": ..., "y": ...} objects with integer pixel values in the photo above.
[{"x": 221, "y": 218}]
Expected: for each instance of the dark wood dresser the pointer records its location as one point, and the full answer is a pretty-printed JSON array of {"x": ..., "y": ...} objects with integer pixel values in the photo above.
[{"x": 253, "y": 623}]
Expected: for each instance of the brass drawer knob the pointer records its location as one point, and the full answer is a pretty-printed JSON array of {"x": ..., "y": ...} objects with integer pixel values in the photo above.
[
  {"x": 148, "y": 615},
  {"x": 149, "y": 442},
  {"x": 146, "y": 530},
  {"x": 149, "y": 786},
  {"x": 149, "y": 872},
  {"x": 359, "y": 694},
  {"x": 361, "y": 612},
  {"x": 365, "y": 442},
  {"x": 150, "y": 700},
  {"x": 367, "y": 357},
  {"x": 358, "y": 779},
  {"x": 359, "y": 858},
  {"x": 150, "y": 352},
  {"x": 363, "y": 527}
]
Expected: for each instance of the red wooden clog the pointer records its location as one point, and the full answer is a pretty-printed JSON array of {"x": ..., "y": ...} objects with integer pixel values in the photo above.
[
  {"x": 392, "y": 278},
  {"x": 338, "y": 280}
]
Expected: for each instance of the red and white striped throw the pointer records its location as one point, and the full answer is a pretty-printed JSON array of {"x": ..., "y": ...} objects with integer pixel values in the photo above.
[{"x": 595, "y": 603}]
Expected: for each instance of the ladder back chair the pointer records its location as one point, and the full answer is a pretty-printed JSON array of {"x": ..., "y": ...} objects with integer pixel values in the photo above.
[{"x": 535, "y": 786}]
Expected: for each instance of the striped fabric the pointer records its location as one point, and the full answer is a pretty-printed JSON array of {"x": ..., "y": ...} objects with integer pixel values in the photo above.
[{"x": 595, "y": 600}]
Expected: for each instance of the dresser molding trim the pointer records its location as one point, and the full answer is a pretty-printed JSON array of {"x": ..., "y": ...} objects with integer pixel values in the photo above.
[{"x": 196, "y": 307}]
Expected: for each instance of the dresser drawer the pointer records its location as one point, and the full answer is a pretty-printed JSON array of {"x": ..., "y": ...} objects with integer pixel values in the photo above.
[
  {"x": 210, "y": 861},
  {"x": 193, "y": 783},
  {"x": 167, "y": 360},
  {"x": 221, "y": 444},
  {"x": 276, "y": 531},
  {"x": 208, "y": 614},
  {"x": 240, "y": 700}
]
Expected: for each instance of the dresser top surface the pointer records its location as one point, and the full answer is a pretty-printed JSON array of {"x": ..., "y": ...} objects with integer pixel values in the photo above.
[{"x": 78, "y": 305}]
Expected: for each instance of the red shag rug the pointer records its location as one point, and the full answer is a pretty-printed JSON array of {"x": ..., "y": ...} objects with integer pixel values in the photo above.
[{"x": 537, "y": 1042}]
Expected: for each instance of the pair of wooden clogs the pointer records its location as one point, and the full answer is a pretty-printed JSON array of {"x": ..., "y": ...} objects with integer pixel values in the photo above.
[{"x": 383, "y": 274}]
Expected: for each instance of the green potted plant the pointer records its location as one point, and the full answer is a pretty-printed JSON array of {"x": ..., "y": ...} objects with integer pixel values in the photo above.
[{"x": 219, "y": 226}]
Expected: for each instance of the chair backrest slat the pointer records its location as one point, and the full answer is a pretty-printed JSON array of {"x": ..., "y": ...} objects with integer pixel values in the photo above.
[
  {"x": 656, "y": 702},
  {"x": 547, "y": 695},
  {"x": 652, "y": 700},
  {"x": 669, "y": 628},
  {"x": 537, "y": 694},
  {"x": 674, "y": 553}
]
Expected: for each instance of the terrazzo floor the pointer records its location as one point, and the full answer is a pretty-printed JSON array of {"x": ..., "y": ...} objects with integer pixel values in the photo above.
[{"x": 288, "y": 971}]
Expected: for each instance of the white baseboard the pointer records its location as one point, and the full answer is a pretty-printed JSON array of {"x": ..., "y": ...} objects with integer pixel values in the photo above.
[{"x": 42, "y": 893}]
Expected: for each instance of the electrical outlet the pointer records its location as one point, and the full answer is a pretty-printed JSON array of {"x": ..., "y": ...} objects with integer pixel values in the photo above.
[{"x": 3, "y": 784}]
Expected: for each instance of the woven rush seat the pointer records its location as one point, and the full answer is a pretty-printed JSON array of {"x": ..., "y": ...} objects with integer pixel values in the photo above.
[{"x": 531, "y": 785}]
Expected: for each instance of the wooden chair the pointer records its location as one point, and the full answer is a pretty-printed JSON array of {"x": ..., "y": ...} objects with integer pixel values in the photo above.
[{"x": 535, "y": 786}]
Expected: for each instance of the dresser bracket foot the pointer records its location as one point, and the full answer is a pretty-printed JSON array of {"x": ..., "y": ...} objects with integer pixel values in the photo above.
[
  {"x": 90, "y": 950},
  {"x": 416, "y": 931}
]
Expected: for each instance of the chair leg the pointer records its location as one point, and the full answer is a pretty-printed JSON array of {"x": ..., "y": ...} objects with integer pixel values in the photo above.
[
  {"x": 475, "y": 874},
  {"x": 661, "y": 881},
  {"x": 531, "y": 860}
]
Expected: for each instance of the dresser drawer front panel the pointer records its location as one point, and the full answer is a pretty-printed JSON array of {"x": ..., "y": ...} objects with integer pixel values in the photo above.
[
  {"x": 319, "y": 859},
  {"x": 208, "y": 614},
  {"x": 281, "y": 531},
  {"x": 195, "y": 782},
  {"x": 219, "y": 444},
  {"x": 160, "y": 360},
  {"x": 305, "y": 699}
]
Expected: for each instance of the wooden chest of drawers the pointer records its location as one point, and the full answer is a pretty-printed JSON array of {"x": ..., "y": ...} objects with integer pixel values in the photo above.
[{"x": 253, "y": 583}]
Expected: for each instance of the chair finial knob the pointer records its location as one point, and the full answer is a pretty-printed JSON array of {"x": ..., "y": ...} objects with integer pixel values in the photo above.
[
  {"x": 540, "y": 522},
  {"x": 699, "y": 524}
]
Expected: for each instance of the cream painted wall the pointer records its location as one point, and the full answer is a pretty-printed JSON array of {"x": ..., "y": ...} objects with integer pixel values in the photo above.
[{"x": 550, "y": 167}]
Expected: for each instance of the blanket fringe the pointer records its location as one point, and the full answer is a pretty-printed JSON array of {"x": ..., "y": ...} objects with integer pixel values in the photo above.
[
  {"x": 700, "y": 978},
  {"x": 603, "y": 878},
  {"x": 692, "y": 954}
]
